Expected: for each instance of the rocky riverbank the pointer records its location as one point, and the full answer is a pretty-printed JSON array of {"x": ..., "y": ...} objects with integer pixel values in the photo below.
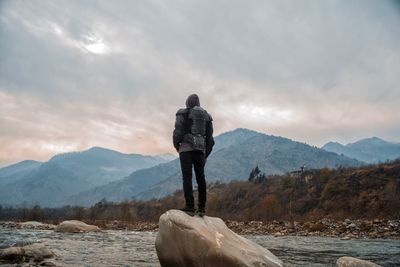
[
  {"x": 346, "y": 229},
  {"x": 34, "y": 225}
]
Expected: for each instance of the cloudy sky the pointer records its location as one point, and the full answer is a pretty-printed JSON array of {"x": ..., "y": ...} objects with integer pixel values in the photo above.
[{"x": 76, "y": 74}]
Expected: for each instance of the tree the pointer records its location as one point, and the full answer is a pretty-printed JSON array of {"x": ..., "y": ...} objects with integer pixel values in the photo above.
[{"x": 256, "y": 175}]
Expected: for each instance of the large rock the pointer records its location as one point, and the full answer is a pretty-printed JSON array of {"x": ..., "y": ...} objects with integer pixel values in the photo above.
[
  {"x": 183, "y": 240},
  {"x": 36, "y": 252},
  {"x": 13, "y": 254},
  {"x": 74, "y": 226},
  {"x": 354, "y": 262}
]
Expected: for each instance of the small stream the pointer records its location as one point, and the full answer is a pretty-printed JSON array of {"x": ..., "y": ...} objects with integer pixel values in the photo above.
[{"x": 127, "y": 248}]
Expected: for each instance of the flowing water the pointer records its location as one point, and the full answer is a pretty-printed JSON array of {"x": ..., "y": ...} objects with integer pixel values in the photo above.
[{"x": 127, "y": 248}]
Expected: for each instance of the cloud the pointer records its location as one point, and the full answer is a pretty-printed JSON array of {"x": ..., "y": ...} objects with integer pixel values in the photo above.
[{"x": 75, "y": 74}]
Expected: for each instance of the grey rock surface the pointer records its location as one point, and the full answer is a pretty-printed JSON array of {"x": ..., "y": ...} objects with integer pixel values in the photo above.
[
  {"x": 184, "y": 240},
  {"x": 74, "y": 226},
  {"x": 36, "y": 252}
]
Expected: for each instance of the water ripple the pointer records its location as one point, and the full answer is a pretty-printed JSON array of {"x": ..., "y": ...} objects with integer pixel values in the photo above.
[{"x": 127, "y": 248}]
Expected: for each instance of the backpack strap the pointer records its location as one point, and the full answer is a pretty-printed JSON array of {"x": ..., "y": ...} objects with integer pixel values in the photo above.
[{"x": 187, "y": 123}]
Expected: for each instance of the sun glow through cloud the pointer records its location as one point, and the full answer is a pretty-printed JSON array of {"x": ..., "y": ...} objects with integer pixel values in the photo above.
[
  {"x": 96, "y": 46},
  {"x": 274, "y": 115},
  {"x": 57, "y": 148}
]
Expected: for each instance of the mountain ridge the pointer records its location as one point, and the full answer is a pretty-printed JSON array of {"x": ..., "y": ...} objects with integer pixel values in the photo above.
[
  {"x": 63, "y": 175},
  {"x": 17, "y": 171},
  {"x": 272, "y": 163},
  {"x": 369, "y": 150},
  {"x": 235, "y": 154}
]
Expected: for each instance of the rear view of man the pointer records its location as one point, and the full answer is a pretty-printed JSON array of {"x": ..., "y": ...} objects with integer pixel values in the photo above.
[{"x": 193, "y": 139}]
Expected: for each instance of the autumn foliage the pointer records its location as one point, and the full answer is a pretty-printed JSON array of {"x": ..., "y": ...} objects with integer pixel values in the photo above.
[{"x": 358, "y": 193}]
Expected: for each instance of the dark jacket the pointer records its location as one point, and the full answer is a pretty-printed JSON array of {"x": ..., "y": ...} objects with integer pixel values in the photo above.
[{"x": 182, "y": 127}]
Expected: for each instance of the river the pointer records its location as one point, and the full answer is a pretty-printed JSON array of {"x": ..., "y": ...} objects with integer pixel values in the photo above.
[{"x": 127, "y": 248}]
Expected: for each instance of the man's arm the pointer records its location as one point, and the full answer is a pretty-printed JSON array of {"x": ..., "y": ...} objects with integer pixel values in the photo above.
[
  {"x": 179, "y": 130},
  {"x": 209, "y": 137}
]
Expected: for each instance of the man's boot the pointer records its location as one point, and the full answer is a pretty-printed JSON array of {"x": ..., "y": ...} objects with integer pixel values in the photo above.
[
  {"x": 189, "y": 210},
  {"x": 201, "y": 210}
]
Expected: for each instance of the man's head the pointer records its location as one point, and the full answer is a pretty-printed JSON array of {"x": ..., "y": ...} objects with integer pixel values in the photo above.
[{"x": 192, "y": 101}]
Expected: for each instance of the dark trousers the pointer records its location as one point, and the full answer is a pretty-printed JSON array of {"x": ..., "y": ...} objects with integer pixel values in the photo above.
[{"x": 197, "y": 160}]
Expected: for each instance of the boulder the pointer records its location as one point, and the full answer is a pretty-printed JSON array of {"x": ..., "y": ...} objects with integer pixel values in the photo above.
[
  {"x": 36, "y": 252},
  {"x": 74, "y": 226},
  {"x": 354, "y": 262},
  {"x": 184, "y": 240},
  {"x": 13, "y": 254}
]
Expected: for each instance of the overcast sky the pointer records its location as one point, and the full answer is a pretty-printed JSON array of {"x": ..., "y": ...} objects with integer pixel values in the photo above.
[{"x": 77, "y": 74}]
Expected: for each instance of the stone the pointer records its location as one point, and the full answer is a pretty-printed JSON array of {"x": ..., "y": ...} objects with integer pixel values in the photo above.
[
  {"x": 32, "y": 224},
  {"x": 352, "y": 225},
  {"x": 74, "y": 226},
  {"x": 37, "y": 251},
  {"x": 13, "y": 254},
  {"x": 48, "y": 263},
  {"x": 8, "y": 224},
  {"x": 278, "y": 234},
  {"x": 35, "y": 225},
  {"x": 354, "y": 262},
  {"x": 184, "y": 240},
  {"x": 346, "y": 238}
]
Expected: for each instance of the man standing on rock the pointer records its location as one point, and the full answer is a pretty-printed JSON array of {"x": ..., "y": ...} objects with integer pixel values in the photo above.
[{"x": 193, "y": 139}]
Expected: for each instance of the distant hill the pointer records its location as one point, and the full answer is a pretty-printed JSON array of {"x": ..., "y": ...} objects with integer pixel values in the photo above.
[
  {"x": 370, "y": 150},
  {"x": 141, "y": 180},
  {"x": 166, "y": 157},
  {"x": 236, "y": 153},
  {"x": 17, "y": 171},
  {"x": 50, "y": 183}
]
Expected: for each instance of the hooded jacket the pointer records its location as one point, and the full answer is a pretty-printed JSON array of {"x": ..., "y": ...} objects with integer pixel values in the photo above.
[{"x": 182, "y": 127}]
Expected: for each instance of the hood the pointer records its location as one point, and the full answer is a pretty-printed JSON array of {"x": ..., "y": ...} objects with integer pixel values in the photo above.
[{"x": 192, "y": 101}]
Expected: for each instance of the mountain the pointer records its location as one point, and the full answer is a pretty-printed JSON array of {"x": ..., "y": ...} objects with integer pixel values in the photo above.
[
  {"x": 50, "y": 183},
  {"x": 233, "y": 138},
  {"x": 235, "y": 154},
  {"x": 143, "y": 179},
  {"x": 17, "y": 171},
  {"x": 165, "y": 157},
  {"x": 100, "y": 165},
  {"x": 370, "y": 150}
]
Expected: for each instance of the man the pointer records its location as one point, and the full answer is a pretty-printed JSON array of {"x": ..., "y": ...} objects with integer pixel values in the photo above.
[{"x": 193, "y": 139}]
